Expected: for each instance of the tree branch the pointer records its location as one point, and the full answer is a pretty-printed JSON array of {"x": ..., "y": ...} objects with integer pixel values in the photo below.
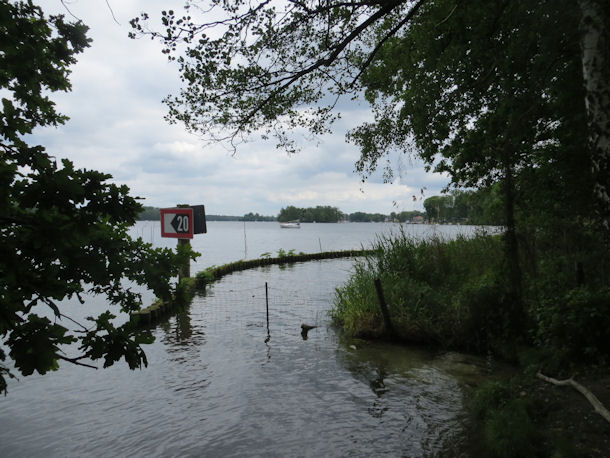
[
  {"x": 389, "y": 35},
  {"x": 289, "y": 80},
  {"x": 597, "y": 405},
  {"x": 76, "y": 361}
]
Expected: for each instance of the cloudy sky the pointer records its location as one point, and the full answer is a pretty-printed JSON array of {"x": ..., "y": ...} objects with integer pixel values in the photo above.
[{"x": 116, "y": 126}]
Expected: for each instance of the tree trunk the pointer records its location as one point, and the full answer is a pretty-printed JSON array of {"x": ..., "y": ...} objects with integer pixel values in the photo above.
[
  {"x": 596, "y": 76},
  {"x": 511, "y": 246}
]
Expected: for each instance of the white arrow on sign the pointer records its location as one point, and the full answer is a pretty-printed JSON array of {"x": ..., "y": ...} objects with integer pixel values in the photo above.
[{"x": 177, "y": 222}]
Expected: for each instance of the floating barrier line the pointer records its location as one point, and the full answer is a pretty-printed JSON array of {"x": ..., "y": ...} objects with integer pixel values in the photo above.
[{"x": 187, "y": 287}]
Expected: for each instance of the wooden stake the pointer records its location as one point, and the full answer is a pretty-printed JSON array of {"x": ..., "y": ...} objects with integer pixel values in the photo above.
[{"x": 383, "y": 307}]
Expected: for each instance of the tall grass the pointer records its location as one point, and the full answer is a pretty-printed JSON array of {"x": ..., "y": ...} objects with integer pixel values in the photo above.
[
  {"x": 446, "y": 292},
  {"x": 454, "y": 293}
]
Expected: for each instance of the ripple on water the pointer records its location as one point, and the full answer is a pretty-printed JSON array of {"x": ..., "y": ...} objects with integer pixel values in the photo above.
[{"x": 214, "y": 387}]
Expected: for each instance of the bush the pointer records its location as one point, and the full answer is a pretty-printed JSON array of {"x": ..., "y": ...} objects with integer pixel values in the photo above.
[
  {"x": 441, "y": 292},
  {"x": 576, "y": 324},
  {"x": 508, "y": 428}
]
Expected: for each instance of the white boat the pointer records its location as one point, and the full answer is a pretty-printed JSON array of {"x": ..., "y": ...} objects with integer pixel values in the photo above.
[{"x": 291, "y": 225}]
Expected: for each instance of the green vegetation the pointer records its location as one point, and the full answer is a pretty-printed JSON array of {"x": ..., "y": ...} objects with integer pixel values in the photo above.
[
  {"x": 361, "y": 217},
  {"x": 510, "y": 99},
  {"x": 480, "y": 207},
  {"x": 149, "y": 214},
  {"x": 454, "y": 294},
  {"x": 319, "y": 214},
  {"x": 441, "y": 293},
  {"x": 64, "y": 231},
  {"x": 256, "y": 217}
]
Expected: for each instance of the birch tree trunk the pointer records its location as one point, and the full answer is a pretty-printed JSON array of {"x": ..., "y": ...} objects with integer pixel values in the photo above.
[{"x": 596, "y": 74}]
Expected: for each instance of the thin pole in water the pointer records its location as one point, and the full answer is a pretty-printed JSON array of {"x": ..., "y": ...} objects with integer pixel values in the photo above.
[
  {"x": 267, "y": 304},
  {"x": 245, "y": 242},
  {"x": 320, "y": 242}
]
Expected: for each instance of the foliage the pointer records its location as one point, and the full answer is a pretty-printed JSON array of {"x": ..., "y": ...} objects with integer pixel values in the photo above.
[
  {"x": 265, "y": 67},
  {"x": 361, "y": 217},
  {"x": 575, "y": 324},
  {"x": 455, "y": 294},
  {"x": 256, "y": 217},
  {"x": 64, "y": 230},
  {"x": 281, "y": 253},
  {"x": 482, "y": 206},
  {"x": 208, "y": 273},
  {"x": 508, "y": 428},
  {"x": 153, "y": 214},
  {"x": 440, "y": 292},
  {"x": 149, "y": 214},
  {"x": 319, "y": 214},
  {"x": 501, "y": 96}
]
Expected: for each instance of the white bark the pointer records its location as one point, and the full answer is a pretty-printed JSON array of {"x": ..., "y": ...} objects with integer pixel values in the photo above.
[{"x": 594, "y": 54}]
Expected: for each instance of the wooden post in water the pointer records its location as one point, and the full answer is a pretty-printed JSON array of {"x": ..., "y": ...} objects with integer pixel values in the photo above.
[
  {"x": 383, "y": 307},
  {"x": 185, "y": 270}
]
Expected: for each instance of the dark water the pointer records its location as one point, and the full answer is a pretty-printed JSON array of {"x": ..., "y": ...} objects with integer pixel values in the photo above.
[{"x": 215, "y": 387}]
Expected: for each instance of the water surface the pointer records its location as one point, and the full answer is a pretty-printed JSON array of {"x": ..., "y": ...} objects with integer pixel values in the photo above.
[{"x": 220, "y": 383}]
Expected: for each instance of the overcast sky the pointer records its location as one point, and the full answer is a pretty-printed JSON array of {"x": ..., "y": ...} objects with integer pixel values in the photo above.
[{"x": 116, "y": 126}]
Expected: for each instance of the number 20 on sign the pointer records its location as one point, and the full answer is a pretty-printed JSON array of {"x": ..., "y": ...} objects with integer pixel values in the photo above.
[{"x": 177, "y": 223}]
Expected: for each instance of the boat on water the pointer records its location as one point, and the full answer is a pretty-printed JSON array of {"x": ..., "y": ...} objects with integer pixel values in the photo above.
[{"x": 291, "y": 225}]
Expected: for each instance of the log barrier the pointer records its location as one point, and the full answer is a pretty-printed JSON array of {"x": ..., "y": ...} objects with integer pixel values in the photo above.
[{"x": 187, "y": 287}]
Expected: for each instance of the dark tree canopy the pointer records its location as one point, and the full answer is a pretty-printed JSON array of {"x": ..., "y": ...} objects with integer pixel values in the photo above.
[
  {"x": 512, "y": 93},
  {"x": 268, "y": 67},
  {"x": 478, "y": 89},
  {"x": 64, "y": 231}
]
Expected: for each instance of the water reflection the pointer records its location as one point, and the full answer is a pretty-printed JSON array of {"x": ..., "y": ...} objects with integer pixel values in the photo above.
[{"x": 409, "y": 388}]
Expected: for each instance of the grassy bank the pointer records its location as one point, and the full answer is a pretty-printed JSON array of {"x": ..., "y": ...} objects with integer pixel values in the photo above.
[
  {"x": 446, "y": 293},
  {"x": 455, "y": 294}
]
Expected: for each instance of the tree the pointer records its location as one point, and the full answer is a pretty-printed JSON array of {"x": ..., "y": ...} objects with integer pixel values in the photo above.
[
  {"x": 63, "y": 230},
  {"x": 290, "y": 213},
  {"x": 488, "y": 92},
  {"x": 595, "y": 48},
  {"x": 270, "y": 67}
]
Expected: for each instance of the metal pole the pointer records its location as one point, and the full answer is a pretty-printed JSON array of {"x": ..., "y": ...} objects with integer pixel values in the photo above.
[
  {"x": 267, "y": 304},
  {"x": 245, "y": 242}
]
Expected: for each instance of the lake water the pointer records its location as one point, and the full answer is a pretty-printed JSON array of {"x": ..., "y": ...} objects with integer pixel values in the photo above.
[
  {"x": 228, "y": 241},
  {"x": 220, "y": 383}
]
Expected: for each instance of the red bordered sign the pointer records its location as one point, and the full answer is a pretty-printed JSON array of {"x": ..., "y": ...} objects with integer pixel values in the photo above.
[{"x": 177, "y": 223}]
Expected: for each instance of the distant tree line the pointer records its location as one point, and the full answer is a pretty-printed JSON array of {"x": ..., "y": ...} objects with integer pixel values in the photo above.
[
  {"x": 480, "y": 207},
  {"x": 256, "y": 217},
  {"x": 154, "y": 214},
  {"x": 483, "y": 206},
  {"x": 319, "y": 214}
]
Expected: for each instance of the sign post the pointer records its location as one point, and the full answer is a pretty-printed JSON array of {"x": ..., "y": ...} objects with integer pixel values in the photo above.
[{"x": 182, "y": 223}]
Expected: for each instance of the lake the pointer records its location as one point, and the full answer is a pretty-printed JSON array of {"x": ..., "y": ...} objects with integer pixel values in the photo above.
[{"x": 219, "y": 383}]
